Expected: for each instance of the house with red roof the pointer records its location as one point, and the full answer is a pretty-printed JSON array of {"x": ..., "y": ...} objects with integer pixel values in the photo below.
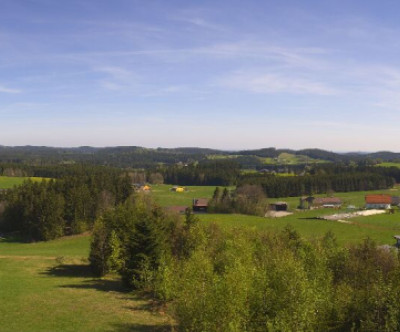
[{"x": 378, "y": 201}]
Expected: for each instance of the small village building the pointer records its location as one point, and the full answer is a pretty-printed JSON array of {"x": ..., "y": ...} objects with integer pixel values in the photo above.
[
  {"x": 396, "y": 200},
  {"x": 397, "y": 238},
  {"x": 278, "y": 206},
  {"x": 136, "y": 186},
  {"x": 378, "y": 201},
  {"x": 311, "y": 202},
  {"x": 306, "y": 202},
  {"x": 327, "y": 202},
  {"x": 200, "y": 204}
]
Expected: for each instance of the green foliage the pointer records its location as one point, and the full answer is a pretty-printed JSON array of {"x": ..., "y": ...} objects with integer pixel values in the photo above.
[
  {"x": 36, "y": 210},
  {"x": 210, "y": 173},
  {"x": 52, "y": 208},
  {"x": 131, "y": 239},
  {"x": 239, "y": 280},
  {"x": 275, "y": 186},
  {"x": 247, "y": 199}
]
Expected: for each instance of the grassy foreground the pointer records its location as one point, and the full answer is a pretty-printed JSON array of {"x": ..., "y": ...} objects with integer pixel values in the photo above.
[{"x": 49, "y": 287}]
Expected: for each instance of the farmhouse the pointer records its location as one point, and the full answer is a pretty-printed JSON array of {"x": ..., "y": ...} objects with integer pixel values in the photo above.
[
  {"x": 320, "y": 202},
  {"x": 378, "y": 201},
  {"x": 278, "y": 206},
  {"x": 200, "y": 204}
]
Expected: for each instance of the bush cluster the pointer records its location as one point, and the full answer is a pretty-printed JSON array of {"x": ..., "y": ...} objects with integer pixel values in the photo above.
[{"x": 214, "y": 279}]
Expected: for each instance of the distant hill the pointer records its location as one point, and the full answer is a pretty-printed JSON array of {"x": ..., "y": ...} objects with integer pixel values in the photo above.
[{"x": 136, "y": 156}]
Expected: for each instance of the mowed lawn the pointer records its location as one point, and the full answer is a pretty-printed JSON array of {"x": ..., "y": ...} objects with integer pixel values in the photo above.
[
  {"x": 7, "y": 182},
  {"x": 165, "y": 197},
  {"x": 48, "y": 286}
]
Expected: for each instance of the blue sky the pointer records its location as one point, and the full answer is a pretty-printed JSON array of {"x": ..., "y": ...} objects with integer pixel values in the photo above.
[{"x": 221, "y": 74}]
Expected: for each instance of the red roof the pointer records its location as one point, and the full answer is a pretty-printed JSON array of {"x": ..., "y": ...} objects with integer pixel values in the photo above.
[{"x": 378, "y": 199}]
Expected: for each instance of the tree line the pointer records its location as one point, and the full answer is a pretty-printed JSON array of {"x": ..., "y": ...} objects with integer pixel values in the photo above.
[
  {"x": 207, "y": 173},
  {"x": 276, "y": 186}
]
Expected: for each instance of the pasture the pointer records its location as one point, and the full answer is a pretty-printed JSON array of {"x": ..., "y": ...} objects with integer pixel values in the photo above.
[
  {"x": 165, "y": 197},
  {"x": 284, "y": 158},
  {"x": 389, "y": 164},
  {"x": 380, "y": 228},
  {"x": 7, "y": 182},
  {"x": 48, "y": 286}
]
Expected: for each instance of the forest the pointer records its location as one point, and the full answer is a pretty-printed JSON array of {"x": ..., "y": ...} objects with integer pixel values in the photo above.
[{"x": 68, "y": 205}]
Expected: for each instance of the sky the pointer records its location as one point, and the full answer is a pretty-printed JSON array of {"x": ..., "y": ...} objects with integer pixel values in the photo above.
[{"x": 221, "y": 74}]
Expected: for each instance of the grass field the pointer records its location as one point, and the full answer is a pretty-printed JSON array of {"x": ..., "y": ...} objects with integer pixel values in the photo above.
[
  {"x": 283, "y": 159},
  {"x": 389, "y": 164},
  {"x": 7, "y": 182},
  {"x": 40, "y": 292},
  {"x": 380, "y": 228},
  {"x": 165, "y": 197}
]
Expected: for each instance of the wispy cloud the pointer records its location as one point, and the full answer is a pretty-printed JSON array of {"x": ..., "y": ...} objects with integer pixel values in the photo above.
[
  {"x": 117, "y": 78},
  {"x": 200, "y": 23},
  {"x": 4, "y": 89},
  {"x": 270, "y": 83}
]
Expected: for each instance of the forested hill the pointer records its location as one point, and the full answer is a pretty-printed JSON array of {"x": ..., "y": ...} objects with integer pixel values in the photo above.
[{"x": 136, "y": 156}]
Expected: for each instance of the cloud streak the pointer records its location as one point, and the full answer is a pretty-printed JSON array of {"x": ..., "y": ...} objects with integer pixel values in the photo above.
[
  {"x": 269, "y": 83},
  {"x": 4, "y": 89}
]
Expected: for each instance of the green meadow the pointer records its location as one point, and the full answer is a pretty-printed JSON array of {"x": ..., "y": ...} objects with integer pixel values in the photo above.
[
  {"x": 48, "y": 286},
  {"x": 284, "y": 158},
  {"x": 388, "y": 164},
  {"x": 7, "y": 182},
  {"x": 165, "y": 197},
  {"x": 380, "y": 228}
]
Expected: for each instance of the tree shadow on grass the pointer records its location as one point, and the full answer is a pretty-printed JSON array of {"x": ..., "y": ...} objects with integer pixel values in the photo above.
[
  {"x": 103, "y": 285},
  {"x": 84, "y": 271},
  {"x": 70, "y": 270},
  {"x": 12, "y": 238},
  {"x": 142, "y": 328}
]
